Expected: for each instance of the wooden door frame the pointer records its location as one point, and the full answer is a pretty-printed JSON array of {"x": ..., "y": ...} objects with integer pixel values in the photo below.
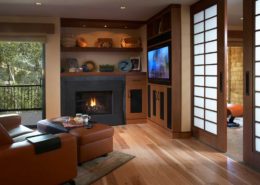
[
  {"x": 44, "y": 81},
  {"x": 216, "y": 142},
  {"x": 250, "y": 156}
]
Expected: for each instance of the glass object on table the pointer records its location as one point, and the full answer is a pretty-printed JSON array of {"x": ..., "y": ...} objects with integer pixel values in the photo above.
[
  {"x": 79, "y": 118},
  {"x": 65, "y": 119},
  {"x": 86, "y": 119}
]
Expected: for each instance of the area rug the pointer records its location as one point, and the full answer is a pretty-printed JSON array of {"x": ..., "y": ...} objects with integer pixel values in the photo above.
[{"x": 91, "y": 171}]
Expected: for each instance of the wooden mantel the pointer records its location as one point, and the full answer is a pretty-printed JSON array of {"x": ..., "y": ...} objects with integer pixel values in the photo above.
[{"x": 102, "y": 74}]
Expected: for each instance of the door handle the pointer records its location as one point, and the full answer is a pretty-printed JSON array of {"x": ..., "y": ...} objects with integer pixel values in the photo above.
[
  {"x": 221, "y": 82},
  {"x": 247, "y": 84}
]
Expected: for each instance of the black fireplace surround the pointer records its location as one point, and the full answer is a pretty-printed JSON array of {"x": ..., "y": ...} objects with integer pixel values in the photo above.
[{"x": 77, "y": 88}]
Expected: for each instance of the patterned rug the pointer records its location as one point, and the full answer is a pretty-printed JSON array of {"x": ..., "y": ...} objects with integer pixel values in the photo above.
[{"x": 91, "y": 171}]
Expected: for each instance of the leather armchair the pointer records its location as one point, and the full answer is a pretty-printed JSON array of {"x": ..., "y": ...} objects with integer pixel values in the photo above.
[{"x": 20, "y": 165}]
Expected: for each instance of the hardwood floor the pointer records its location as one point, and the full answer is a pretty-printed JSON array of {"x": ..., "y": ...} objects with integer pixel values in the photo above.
[{"x": 161, "y": 160}]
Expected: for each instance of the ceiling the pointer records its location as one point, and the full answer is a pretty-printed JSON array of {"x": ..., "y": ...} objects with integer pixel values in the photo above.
[
  {"x": 235, "y": 12},
  {"x": 103, "y": 9}
]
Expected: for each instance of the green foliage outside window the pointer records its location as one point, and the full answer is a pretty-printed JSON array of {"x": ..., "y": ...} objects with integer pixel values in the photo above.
[{"x": 20, "y": 64}]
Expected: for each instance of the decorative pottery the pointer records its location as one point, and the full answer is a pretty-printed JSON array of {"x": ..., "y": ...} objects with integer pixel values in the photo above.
[
  {"x": 84, "y": 68},
  {"x": 106, "y": 68},
  {"x": 81, "y": 42},
  {"x": 72, "y": 64},
  {"x": 131, "y": 42},
  {"x": 125, "y": 65},
  {"x": 104, "y": 43},
  {"x": 91, "y": 66},
  {"x": 68, "y": 40}
]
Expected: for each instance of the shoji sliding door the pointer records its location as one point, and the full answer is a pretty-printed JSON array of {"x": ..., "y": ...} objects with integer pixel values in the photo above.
[
  {"x": 252, "y": 82},
  {"x": 208, "y": 29}
]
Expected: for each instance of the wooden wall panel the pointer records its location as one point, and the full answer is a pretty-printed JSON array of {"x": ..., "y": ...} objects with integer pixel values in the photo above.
[
  {"x": 235, "y": 75},
  {"x": 176, "y": 69},
  {"x": 6, "y": 27}
]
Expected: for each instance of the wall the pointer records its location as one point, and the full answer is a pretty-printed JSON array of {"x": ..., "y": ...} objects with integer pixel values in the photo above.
[
  {"x": 52, "y": 62},
  {"x": 235, "y": 75},
  {"x": 230, "y": 27},
  {"x": 92, "y": 34},
  {"x": 186, "y": 70},
  {"x": 52, "y": 68},
  {"x": 143, "y": 35}
]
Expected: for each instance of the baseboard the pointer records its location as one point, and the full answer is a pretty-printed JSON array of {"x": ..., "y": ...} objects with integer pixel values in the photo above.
[
  {"x": 166, "y": 131},
  {"x": 173, "y": 135},
  {"x": 181, "y": 135},
  {"x": 136, "y": 121}
]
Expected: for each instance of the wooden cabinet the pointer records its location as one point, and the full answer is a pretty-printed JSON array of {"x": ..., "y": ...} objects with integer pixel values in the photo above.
[
  {"x": 164, "y": 101},
  {"x": 160, "y": 108},
  {"x": 159, "y": 24},
  {"x": 159, "y": 29},
  {"x": 136, "y": 99}
]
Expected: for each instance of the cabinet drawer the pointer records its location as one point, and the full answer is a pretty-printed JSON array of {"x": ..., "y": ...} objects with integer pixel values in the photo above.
[{"x": 135, "y": 80}]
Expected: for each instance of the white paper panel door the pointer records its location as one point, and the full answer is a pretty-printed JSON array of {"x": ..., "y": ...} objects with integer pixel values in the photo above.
[
  {"x": 205, "y": 70},
  {"x": 257, "y": 76}
]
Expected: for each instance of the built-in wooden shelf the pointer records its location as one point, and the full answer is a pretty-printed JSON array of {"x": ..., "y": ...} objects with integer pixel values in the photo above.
[
  {"x": 91, "y": 49},
  {"x": 160, "y": 34},
  {"x": 102, "y": 74},
  {"x": 100, "y": 23}
]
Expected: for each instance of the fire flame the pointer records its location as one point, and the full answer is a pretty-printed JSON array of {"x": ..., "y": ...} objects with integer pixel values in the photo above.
[{"x": 93, "y": 102}]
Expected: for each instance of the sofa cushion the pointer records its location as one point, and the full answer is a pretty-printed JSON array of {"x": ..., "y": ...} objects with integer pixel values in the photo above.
[
  {"x": 20, "y": 130},
  {"x": 20, "y": 165},
  {"x": 4, "y": 136},
  {"x": 24, "y": 136},
  {"x": 98, "y": 132},
  {"x": 10, "y": 121}
]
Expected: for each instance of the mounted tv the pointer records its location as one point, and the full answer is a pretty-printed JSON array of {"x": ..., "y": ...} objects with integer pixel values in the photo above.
[{"x": 159, "y": 64}]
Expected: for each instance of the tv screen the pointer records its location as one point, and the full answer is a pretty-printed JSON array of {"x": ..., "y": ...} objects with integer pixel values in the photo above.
[{"x": 159, "y": 64}]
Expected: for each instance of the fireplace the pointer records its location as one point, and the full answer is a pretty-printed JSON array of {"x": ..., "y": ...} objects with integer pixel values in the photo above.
[
  {"x": 102, "y": 97},
  {"x": 94, "y": 102}
]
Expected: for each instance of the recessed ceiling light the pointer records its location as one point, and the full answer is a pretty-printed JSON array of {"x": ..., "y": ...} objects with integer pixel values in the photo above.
[
  {"x": 105, "y": 26},
  {"x": 122, "y": 7},
  {"x": 241, "y": 18},
  {"x": 38, "y": 4}
]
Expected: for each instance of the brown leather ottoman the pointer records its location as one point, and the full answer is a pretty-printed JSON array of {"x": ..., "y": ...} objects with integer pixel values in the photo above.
[{"x": 93, "y": 142}]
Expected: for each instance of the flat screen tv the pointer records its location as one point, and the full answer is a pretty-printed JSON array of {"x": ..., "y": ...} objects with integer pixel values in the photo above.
[{"x": 159, "y": 64}]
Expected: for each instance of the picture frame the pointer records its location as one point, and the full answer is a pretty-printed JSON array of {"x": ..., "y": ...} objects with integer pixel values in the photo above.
[{"x": 136, "y": 63}]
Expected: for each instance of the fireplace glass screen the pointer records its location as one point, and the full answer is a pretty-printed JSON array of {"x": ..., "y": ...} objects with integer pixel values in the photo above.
[{"x": 94, "y": 102}]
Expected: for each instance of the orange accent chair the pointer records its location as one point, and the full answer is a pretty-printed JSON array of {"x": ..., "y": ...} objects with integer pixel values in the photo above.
[
  {"x": 21, "y": 165},
  {"x": 233, "y": 111}
]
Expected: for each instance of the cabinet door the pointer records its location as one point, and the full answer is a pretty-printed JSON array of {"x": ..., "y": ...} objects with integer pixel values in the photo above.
[
  {"x": 153, "y": 100},
  {"x": 158, "y": 105},
  {"x": 136, "y": 106},
  {"x": 162, "y": 105}
]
